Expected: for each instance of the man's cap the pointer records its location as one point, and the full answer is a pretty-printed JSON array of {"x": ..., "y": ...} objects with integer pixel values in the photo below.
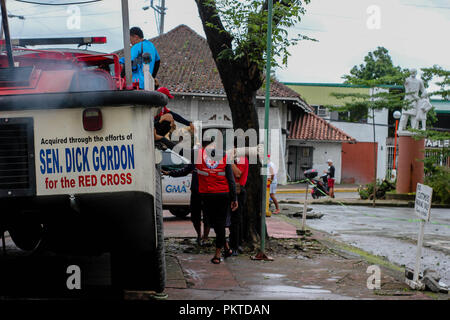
[
  {"x": 137, "y": 31},
  {"x": 165, "y": 91},
  {"x": 329, "y": 160}
]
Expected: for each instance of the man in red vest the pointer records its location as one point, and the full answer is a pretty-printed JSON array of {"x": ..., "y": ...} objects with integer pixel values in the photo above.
[
  {"x": 218, "y": 191},
  {"x": 165, "y": 121},
  {"x": 240, "y": 169}
]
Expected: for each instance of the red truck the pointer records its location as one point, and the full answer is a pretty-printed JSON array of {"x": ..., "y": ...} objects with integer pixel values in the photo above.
[{"x": 78, "y": 169}]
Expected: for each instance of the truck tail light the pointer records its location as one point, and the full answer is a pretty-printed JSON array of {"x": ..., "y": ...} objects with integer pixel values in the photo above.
[
  {"x": 99, "y": 40},
  {"x": 92, "y": 119}
]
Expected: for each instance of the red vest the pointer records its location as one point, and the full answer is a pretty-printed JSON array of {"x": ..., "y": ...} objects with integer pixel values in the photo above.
[{"x": 211, "y": 174}]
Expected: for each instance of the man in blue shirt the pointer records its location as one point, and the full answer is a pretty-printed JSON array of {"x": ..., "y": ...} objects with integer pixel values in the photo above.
[{"x": 139, "y": 46}]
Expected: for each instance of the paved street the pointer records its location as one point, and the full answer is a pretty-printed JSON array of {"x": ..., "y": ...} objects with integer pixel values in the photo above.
[
  {"x": 389, "y": 232},
  {"x": 301, "y": 196},
  {"x": 303, "y": 268}
]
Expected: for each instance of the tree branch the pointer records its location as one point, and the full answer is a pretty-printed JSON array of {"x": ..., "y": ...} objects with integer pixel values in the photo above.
[
  {"x": 218, "y": 38},
  {"x": 276, "y": 19}
]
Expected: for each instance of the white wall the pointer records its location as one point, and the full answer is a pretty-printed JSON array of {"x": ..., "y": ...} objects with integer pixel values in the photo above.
[
  {"x": 197, "y": 108},
  {"x": 322, "y": 151},
  {"x": 276, "y": 139}
]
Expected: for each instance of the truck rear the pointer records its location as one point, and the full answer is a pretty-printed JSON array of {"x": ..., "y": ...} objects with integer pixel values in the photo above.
[{"x": 77, "y": 162}]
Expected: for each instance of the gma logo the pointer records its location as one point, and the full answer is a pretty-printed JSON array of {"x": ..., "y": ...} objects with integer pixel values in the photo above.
[{"x": 176, "y": 189}]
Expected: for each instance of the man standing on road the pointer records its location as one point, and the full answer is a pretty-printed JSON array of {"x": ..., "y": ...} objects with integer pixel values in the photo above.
[
  {"x": 330, "y": 177},
  {"x": 195, "y": 203},
  {"x": 240, "y": 170},
  {"x": 217, "y": 188},
  {"x": 273, "y": 184}
]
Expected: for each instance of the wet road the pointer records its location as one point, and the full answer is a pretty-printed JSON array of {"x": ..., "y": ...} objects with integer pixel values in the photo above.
[
  {"x": 390, "y": 232},
  {"x": 301, "y": 196}
]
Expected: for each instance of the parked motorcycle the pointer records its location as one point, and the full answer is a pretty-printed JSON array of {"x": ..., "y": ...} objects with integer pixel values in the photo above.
[{"x": 320, "y": 187}]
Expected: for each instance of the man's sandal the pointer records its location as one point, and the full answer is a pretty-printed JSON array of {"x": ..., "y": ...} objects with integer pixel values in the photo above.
[
  {"x": 227, "y": 253},
  {"x": 215, "y": 260}
]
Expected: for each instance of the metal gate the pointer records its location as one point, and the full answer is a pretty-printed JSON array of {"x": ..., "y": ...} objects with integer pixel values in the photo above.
[
  {"x": 299, "y": 160},
  {"x": 390, "y": 160}
]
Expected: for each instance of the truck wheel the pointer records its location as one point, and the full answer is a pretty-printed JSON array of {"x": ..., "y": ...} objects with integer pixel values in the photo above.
[
  {"x": 142, "y": 270},
  {"x": 26, "y": 235},
  {"x": 179, "y": 212},
  {"x": 160, "y": 256}
]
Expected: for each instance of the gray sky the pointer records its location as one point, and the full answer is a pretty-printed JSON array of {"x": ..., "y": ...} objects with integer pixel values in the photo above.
[{"x": 414, "y": 31}]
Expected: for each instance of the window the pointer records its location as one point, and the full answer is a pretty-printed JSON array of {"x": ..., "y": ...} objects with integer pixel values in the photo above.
[
  {"x": 171, "y": 160},
  {"x": 321, "y": 111},
  {"x": 357, "y": 114}
]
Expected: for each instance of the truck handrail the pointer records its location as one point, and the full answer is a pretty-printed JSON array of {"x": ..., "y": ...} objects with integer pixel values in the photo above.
[
  {"x": 67, "y": 100},
  {"x": 115, "y": 57}
]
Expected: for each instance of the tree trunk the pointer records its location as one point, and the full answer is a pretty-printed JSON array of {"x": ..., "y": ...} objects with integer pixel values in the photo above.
[
  {"x": 242, "y": 103},
  {"x": 241, "y": 80}
]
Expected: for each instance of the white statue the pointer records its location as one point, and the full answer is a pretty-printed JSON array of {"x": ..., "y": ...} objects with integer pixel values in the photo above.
[
  {"x": 414, "y": 93},
  {"x": 424, "y": 106}
]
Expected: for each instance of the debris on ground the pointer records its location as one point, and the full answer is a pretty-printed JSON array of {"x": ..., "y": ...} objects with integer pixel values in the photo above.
[
  {"x": 430, "y": 279},
  {"x": 309, "y": 215},
  {"x": 292, "y": 211}
]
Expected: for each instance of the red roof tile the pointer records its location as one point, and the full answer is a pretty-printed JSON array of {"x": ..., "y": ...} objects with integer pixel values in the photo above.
[{"x": 308, "y": 126}]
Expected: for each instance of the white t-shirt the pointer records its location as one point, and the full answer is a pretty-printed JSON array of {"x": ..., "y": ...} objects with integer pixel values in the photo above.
[{"x": 274, "y": 168}]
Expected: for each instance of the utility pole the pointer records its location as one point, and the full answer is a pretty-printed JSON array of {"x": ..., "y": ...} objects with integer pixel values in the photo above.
[
  {"x": 5, "y": 29},
  {"x": 126, "y": 41},
  {"x": 161, "y": 18},
  {"x": 159, "y": 10}
]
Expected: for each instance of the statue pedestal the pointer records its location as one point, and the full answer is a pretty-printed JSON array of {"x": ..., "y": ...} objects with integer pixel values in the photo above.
[{"x": 410, "y": 167}]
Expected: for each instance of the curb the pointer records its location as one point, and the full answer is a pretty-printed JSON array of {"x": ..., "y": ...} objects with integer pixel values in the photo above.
[
  {"x": 409, "y": 204},
  {"x": 304, "y": 190}
]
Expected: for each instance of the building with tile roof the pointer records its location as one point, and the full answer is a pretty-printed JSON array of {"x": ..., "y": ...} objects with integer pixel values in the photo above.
[
  {"x": 358, "y": 160},
  {"x": 188, "y": 70}
]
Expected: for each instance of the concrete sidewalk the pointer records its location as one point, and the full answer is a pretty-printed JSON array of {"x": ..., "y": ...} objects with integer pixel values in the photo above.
[
  {"x": 182, "y": 228},
  {"x": 303, "y": 268}
]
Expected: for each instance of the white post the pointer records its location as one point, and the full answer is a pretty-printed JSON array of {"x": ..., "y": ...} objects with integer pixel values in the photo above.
[
  {"x": 305, "y": 207},
  {"x": 422, "y": 208},
  {"x": 419, "y": 251},
  {"x": 149, "y": 81},
  {"x": 126, "y": 41}
]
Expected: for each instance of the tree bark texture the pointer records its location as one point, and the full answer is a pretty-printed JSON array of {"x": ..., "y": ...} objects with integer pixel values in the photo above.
[{"x": 241, "y": 80}]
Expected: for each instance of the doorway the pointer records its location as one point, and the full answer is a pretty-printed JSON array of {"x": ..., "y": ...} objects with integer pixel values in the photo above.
[{"x": 299, "y": 160}]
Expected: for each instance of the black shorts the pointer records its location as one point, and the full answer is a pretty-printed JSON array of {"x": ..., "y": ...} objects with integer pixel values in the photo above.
[
  {"x": 196, "y": 208},
  {"x": 162, "y": 128}
]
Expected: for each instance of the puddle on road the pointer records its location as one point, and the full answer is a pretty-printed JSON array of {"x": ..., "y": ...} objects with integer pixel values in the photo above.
[
  {"x": 333, "y": 279},
  {"x": 290, "y": 289},
  {"x": 273, "y": 275},
  {"x": 312, "y": 287}
]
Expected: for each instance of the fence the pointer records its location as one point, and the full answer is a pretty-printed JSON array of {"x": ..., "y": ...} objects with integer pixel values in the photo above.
[
  {"x": 437, "y": 153},
  {"x": 390, "y": 161}
]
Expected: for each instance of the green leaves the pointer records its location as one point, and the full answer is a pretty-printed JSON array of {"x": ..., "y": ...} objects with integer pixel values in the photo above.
[
  {"x": 377, "y": 69},
  {"x": 428, "y": 74},
  {"x": 246, "y": 22}
]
